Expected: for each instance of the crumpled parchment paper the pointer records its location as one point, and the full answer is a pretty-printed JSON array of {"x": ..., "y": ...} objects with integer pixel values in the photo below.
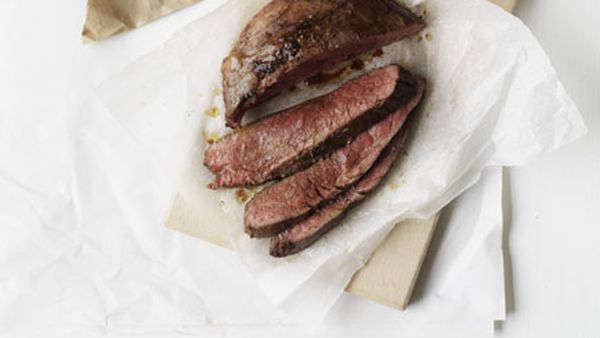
[{"x": 493, "y": 99}]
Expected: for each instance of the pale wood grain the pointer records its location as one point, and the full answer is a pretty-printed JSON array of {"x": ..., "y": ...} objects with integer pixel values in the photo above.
[
  {"x": 390, "y": 275},
  {"x": 508, "y": 5}
]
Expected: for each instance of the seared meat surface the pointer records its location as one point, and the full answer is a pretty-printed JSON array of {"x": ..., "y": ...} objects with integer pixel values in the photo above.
[
  {"x": 289, "y": 141},
  {"x": 291, "y": 40}
]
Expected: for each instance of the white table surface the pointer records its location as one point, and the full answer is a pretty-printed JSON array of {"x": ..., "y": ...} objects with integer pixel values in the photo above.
[
  {"x": 555, "y": 216},
  {"x": 552, "y": 205}
]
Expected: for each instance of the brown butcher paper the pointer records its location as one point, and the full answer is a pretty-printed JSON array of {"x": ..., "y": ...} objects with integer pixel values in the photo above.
[{"x": 106, "y": 18}]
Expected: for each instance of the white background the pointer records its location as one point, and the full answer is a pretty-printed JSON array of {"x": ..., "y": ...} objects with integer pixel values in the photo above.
[{"x": 552, "y": 205}]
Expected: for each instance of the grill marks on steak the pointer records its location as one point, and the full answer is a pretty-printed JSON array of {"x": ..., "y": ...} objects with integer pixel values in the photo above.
[
  {"x": 291, "y": 40},
  {"x": 291, "y": 200},
  {"x": 287, "y": 142},
  {"x": 306, "y": 232}
]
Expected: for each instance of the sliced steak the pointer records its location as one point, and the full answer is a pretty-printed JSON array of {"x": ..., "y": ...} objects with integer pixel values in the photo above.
[
  {"x": 290, "y": 40},
  {"x": 289, "y": 201},
  {"x": 308, "y": 231},
  {"x": 287, "y": 142}
]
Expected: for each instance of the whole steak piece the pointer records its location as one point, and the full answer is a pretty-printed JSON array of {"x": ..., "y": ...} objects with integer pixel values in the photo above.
[
  {"x": 294, "y": 198},
  {"x": 290, "y": 40},
  {"x": 308, "y": 231},
  {"x": 289, "y": 141}
]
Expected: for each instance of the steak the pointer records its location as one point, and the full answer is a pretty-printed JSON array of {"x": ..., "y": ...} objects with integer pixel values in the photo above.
[
  {"x": 291, "y": 40},
  {"x": 291, "y": 200},
  {"x": 308, "y": 231},
  {"x": 287, "y": 142}
]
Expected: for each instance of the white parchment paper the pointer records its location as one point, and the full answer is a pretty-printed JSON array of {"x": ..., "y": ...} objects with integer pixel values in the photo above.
[
  {"x": 461, "y": 284},
  {"x": 493, "y": 99}
]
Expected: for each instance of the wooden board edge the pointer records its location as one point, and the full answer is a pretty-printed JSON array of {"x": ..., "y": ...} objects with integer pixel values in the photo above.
[
  {"x": 434, "y": 223},
  {"x": 393, "y": 287},
  {"x": 508, "y": 5}
]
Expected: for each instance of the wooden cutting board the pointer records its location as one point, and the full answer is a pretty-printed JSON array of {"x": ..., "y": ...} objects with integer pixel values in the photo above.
[{"x": 387, "y": 278}]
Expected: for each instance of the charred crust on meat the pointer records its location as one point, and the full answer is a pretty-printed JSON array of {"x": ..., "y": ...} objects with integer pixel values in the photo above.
[
  {"x": 288, "y": 51},
  {"x": 291, "y": 40}
]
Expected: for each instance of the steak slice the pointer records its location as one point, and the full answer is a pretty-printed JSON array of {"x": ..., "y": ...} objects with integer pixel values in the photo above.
[
  {"x": 287, "y": 142},
  {"x": 291, "y": 40},
  {"x": 289, "y": 201},
  {"x": 308, "y": 231}
]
